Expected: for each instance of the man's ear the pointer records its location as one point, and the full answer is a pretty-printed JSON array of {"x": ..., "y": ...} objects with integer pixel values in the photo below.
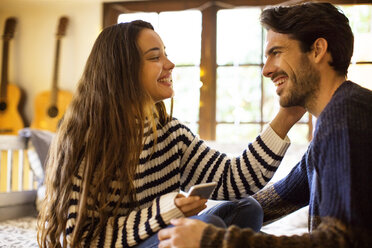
[{"x": 320, "y": 46}]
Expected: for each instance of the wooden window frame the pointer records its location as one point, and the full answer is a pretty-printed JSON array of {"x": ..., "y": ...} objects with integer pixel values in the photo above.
[{"x": 208, "y": 63}]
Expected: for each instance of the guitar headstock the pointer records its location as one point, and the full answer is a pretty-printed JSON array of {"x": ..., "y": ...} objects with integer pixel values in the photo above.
[
  {"x": 9, "y": 29},
  {"x": 62, "y": 26}
]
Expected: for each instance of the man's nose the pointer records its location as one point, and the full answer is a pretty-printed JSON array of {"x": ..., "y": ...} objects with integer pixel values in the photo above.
[{"x": 268, "y": 68}]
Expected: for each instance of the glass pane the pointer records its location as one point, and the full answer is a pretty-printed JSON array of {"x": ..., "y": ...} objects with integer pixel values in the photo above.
[
  {"x": 271, "y": 100},
  {"x": 181, "y": 34},
  {"x": 238, "y": 94},
  {"x": 150, "y": 17},
  {"x": 298, "y": 134},
  {"x": 238, "y": 36},
  {"x": 361, "y": 74},
  {"x": 231, "y": 133},
  {"x": 186, "y": 84},
  {"x": 360, "y": 17}
]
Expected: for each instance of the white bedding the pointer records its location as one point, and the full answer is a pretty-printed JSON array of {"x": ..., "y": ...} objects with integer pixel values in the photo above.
[{"x": 18, "y": 233}]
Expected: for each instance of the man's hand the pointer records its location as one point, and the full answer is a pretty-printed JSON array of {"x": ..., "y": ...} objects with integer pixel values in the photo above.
[
  {"x": 186, "y": 233},
  {"x": 191, "y": 205}
]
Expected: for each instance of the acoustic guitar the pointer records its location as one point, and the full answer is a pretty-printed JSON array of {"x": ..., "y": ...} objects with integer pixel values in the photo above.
[
  {"x": 10, "y": 119},
  {"x": 50, "y": 106}
]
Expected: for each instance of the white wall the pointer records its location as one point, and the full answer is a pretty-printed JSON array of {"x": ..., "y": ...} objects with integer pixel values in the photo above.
[{"x": 32, "y": 50}]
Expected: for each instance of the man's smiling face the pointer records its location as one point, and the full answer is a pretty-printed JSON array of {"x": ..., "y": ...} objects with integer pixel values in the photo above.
[{"x": 291, "y": 70}]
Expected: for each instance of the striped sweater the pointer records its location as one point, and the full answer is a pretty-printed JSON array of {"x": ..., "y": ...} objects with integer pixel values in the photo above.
[
  {"x": 178, "y": 161},
  {"x": 333, "y": 178}
]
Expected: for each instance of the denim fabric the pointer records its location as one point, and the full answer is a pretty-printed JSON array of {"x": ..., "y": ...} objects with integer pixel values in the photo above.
[{"x": 244, "y": 213}]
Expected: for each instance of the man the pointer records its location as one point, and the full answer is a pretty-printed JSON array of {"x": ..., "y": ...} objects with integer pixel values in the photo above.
[{"x": 309, "y": 47}]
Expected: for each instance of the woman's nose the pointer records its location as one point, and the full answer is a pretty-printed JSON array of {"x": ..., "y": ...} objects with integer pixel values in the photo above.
[{"x": 169, "y": 65}]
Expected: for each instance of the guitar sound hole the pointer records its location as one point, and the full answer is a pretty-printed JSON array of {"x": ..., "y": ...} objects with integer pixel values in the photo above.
[
  {"x": 2, "y": 106},
  {"x": 52, "y": 111}
]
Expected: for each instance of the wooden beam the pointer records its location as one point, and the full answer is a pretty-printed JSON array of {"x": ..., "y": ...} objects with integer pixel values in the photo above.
[
  {"x": 111, "y": 13},
  {"x": 208, "y": 74},
  {"x": 174, "y": 5}
]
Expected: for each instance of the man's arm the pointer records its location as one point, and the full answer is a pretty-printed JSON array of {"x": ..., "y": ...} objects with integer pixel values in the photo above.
[
  {"x": 285, "y": 196},
  {"x": 187, "y": 233},
  {"x": 331, "y": 233}
]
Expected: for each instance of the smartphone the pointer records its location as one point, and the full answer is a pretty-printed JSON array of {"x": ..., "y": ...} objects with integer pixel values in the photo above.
[{"x": 203, "y": 190}]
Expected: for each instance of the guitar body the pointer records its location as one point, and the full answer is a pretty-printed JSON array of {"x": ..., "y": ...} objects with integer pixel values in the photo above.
[
  {"x": 10, "y": 119},
  {"x": 50, "y": 106},
  {"x": 10, "y": 95},
  {"x": 43, "y": 119}
]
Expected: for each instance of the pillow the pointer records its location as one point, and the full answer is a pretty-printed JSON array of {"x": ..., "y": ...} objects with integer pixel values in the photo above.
[
  {"x": 37, "y": 153},
  {"x": 41, "y": 140}
]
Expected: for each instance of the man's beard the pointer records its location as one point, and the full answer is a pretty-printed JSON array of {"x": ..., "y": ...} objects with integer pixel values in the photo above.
[{"x": 304, "y": 87}]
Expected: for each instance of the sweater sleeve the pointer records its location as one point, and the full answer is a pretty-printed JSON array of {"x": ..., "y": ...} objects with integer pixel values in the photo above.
[
  {"x": 331, "y": 233},
  {"x": 285, "y": 196},
  {"x": 236, "y": 177},
  {"x": 124, "y": 231}
]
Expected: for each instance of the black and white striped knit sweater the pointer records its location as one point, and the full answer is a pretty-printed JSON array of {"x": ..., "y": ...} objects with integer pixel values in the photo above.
[{"x": 179, "y": 161}]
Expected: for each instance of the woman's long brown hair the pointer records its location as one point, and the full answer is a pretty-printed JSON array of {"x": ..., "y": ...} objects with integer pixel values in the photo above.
[{"x": 102, "y": 132}]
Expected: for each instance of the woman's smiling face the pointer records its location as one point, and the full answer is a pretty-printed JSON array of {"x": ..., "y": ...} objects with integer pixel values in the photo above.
[{"x": 156, "y": 68}]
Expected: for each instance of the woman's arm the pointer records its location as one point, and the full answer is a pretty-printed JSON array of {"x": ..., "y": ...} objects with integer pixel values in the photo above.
[{"x": 245, "y": 174}]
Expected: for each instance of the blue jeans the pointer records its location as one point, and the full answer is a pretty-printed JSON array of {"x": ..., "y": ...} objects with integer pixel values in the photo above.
[{"x": 244, "y": 213}]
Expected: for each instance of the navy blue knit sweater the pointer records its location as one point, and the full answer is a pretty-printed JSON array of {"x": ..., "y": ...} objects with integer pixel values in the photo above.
[{"x": 333, "y": 178}]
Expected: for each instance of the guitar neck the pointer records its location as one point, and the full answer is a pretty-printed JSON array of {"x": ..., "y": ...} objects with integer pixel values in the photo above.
[
  {"x": 54, "y": 89},
  {"x": 4, "y": 70},
  {"x": 60, "y": 33},
  {"x": 9, "y": 29}
]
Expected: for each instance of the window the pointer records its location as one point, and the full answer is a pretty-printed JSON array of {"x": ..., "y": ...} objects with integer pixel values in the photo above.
[
  {"x": 221, "y": 44},
  {"x": 360, "y": 17}
]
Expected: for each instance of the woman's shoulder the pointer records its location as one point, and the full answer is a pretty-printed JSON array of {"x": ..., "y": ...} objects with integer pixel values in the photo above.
[
  {"x": 176, "y": 124},
  {"x": 175, "y": 128}
]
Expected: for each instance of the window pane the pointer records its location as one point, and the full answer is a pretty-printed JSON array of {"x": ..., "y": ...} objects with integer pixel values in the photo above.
[
  {"x": 238, "y": 36},
  {"x": 271, "y": 100},
  {"x": 238, "y": 94},
  {"x": 181, "y": 34},
  {"x": 361, "y": 74},
  {"x": 360, "y": 17},
  {"x": 186, "y": 84},
  {"x": 298, "y": 134},
  {"x": 230, "y": 133},
  {"x": 151, "y": 17}
]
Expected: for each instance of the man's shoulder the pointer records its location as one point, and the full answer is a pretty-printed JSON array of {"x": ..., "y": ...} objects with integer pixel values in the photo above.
[
  {"x": 348, "y": 97},
  {"x": 353, "y": 92},
  {"x": 348, "y": 107}
]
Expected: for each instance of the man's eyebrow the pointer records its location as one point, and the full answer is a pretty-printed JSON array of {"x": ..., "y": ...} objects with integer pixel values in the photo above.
[
  {"x": 271, "y": 50},
  {"x": 152, "y": 49}
]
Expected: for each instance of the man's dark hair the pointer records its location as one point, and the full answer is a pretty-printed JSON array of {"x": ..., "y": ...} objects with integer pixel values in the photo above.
[{"x": 309, "y": 21}]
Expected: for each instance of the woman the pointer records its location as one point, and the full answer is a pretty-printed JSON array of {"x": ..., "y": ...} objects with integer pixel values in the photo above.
[{"x": 119, "y": 160}]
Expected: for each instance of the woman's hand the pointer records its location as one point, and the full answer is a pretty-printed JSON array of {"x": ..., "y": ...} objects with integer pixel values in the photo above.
[
  {"x": 285, "y": 119},
  {"x": 191, "y": 205}
]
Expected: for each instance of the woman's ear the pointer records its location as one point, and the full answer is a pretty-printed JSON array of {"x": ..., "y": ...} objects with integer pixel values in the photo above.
[{"x": 320, "y": 47}]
